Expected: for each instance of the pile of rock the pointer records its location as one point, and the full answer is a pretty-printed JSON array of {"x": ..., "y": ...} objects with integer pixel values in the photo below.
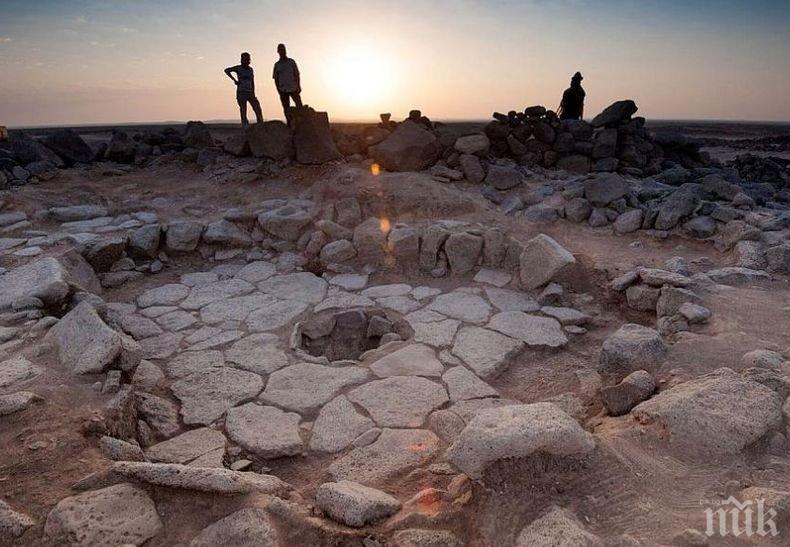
[{"x": 772, "y": 170}]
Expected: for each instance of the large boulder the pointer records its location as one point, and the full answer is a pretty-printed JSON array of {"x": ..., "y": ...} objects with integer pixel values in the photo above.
[
  {"x": 604, "y": 188},
  {"x": 503, "y": 178},
  {"x": 615, "y": 114},
  {"x": 718, "y": 414},
  {"x": 69, "y": 146},
  {"x": 121, "y": 148},
  {"x": 463, "y": 251},
  {"x": 286, "y": 220},
  {"x": 409, "y": 148},
  {"x": 517, "y": 431},
  {"x": 197, "y": 135},
  {"x": 632, "y": 347},
  {"x": 28, "y": 150},
  {"x": 472, "y": 144},
  {"x": 541, "y": 260},
  {"x": 86, "y": 345},
  {"x": 273, "y": 140},
  {"x": 312, "y": 137},
  {"x": 679, "y": 204},
  {"x": 45, "y": 279}
]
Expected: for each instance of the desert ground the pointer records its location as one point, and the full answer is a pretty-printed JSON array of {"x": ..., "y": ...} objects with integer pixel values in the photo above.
[{"x": 405, "y": 334}]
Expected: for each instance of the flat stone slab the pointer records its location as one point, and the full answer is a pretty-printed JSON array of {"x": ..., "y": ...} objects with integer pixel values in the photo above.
[
  {"x": 463, "y": 306},
  {"x": 265, "y": 431},
  {"x": 16, "y": 370},
  {"x": 248, "y": 527},
  {"x": 497, "y": 278},
  {"x": 400, "y": 401},
  {"x": 301, "y": 286},
  {"x": 235, "y": 309},
  {"x": 205, "y": 396},
  {"x": 137, "y": 326},
  {"x": 382, "y": 291},
  {"x": 86, "y": 345},
  {"x": 350, "y": 282},
  {"x": 255, "y": 272},
  {"x": 566, "y": 316},
  {"x": 201, "y": 479},
  {"x": 338, "y": 425},
  {"x": 162, "y": 346},
  {"x": 16, "y": 402},
  {"x": 257, "y": 353},
  {"x": 189, "y": 362},
  {"x": 400, "y": 304},
  {"x": 438, "y": 334},
  {"x": 486, "y": 352},
  {"x": 217, "y": 340},
  {"x": 117, "y": 515},
  {"x": 509, "y": 300},
  {"x": 343, "y": 300},
  {"x": 305, "y": 387},
  {"x": 166, "y": 295},
  {"x": 175, "y": 321},
  {"x": 353, "y": 504},
  {"x": 412, "y": 360},
  {"x": 199, "y": 278},
  {"x": 463, "y": 384},
  {"x": 275, "y": 316},
  {"x": 532, "y": 330},
  {"x": 187, "y": 447},
  {"x": 203, "y": 295},
  {"x": 392, "y": 455}
]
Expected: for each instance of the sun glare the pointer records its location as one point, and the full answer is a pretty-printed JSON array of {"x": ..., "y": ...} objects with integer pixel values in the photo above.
[{"x": 360, "y": 78}]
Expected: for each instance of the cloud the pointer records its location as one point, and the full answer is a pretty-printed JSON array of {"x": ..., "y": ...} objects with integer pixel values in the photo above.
[{"x": 5, "y": 40}]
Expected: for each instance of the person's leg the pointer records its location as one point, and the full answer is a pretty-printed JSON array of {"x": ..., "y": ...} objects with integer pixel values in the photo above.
[
  {"x": 256, "y": 107},
  {"x": 243, "y": 110},
  {"x": 286, "y": 102},
  {"x": 297, "y": 99}
]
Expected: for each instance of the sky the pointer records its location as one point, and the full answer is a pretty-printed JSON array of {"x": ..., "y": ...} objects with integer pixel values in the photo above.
[{"x": 111, "y": 61}]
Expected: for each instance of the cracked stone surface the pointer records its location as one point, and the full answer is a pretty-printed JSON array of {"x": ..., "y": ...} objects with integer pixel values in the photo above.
[
  {"x": 206, "y": 395},
  {"x": 486, "y": 352},
  {"x": 304, "y": 387},
  {"x": 462, "y": 305},
  {"x": 399, "y": 401},
  {"x": 338, "y": 425},
  {"x": 265, "y": 431},
  {"x": 412, "y": 360}
]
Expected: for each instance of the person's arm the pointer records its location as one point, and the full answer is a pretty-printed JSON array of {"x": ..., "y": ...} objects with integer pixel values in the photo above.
[
  {"x": 276, "y": 79},
  {"x": 298, "y": 78},
  {"x": 229, "y": 73}
]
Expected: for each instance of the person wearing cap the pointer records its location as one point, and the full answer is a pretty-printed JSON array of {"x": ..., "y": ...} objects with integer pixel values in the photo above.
[{"x": 572, "y": 104}]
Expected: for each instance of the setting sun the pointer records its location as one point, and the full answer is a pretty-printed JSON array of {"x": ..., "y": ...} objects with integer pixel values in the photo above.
[{"x": 361, "y": 78}]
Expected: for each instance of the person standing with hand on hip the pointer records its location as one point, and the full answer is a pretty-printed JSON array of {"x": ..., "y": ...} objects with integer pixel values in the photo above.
[{"x": 245, "y": 88}]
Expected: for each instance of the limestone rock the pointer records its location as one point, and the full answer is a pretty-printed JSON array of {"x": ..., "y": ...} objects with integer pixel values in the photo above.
[
  {"x": 226, "y": 234},
  {"x": 463, "y": 306},
  {"x": 393, "y": 454},
  {"x": 503, "y": 178},
  {"x": 353, "y": 504},
  {"x": 117, "y": 515},
  {"x": 463, "y": 384},
  {"x": 515, "y": 432},
  {"x": 338, "y": 425},
  {"x": 265, "y": 431},
  {"x": 632, "y": 347},
  {"x": 399, "y": 401},
  {"x": 183, "y": 236},
  {"x": 541, "y": 260},
  {"x": 463, "y": 251},
  {"x": 409, "y": 148},
  {"x": 206, "y": 395},
  {"x": 86, "y": 345},
  {"x": 187, "y": 447},
  {"x": 486, "y": 352},
  {"x": 557, "y": 528},
  {"x": 202, "y": 479},
  {"x": 248, "y": 527},
  {"x": 718, "y": 414},
  {"x": 45, "y": 279},
  {"x": 411, "y": 360},
  {"x": 530, "y": 329},
  {"x": 305, "y": 387}
]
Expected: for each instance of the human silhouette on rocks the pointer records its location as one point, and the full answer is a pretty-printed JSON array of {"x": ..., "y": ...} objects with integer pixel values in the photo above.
[
  {"x": 572, "y": 104},
  {"x": 245, "y": 88},
  {"x": 287, "y": 80}
]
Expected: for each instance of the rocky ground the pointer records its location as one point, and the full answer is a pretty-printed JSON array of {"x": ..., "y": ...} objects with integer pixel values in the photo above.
[{"x": 217, "y": 338}]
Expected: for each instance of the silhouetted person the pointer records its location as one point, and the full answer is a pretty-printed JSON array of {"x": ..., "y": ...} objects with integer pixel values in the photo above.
[
  {"x": 572, "y": 104},
  {"x": 286, "y": 79},
  {"x": 245, "y": 88}
]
